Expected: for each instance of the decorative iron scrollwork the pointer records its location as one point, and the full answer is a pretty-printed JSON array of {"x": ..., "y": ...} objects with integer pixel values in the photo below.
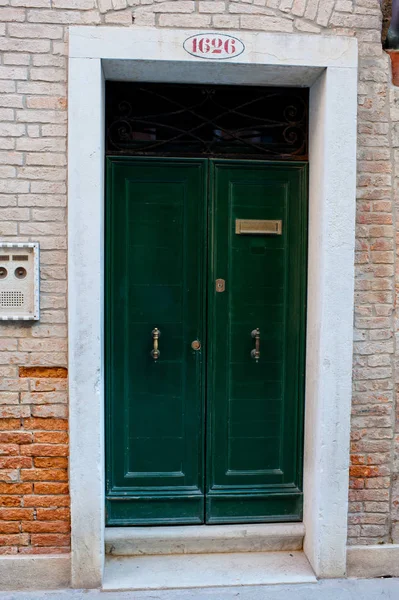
[{"x": 192, "y": 120}]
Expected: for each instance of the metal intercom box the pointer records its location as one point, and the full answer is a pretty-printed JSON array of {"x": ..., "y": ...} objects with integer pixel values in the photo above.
[{"x": 19, "y": 281}]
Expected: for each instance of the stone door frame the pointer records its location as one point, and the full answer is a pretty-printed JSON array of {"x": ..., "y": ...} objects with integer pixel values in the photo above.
[{"x": 328, "y": 66}]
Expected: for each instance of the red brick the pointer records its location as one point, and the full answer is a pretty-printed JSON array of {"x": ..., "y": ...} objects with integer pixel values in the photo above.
[
  {"x": 19, "y": 539},
  {"x": 9, "y": 527},
  {"x": 16, "y": 488},
  {"x": 44, "y": 475},
  {"x": 15, "y": 462},
  {"x": 45, "y": 462},
  {"x": 52, "y": 514},
  {"x": 356, "y": 484},
  {"x": 51, "y": 437},
  {"x": 46, "y": 424},
  {"x": 50, "y": 539},
  {"x": 374, "y": 218},
  {"x": 10, "y": 501},
  {"x": 377, "y": 483},
  {"x": 5, "y": 550},
  {"x": 10, "y": 424},
  {"x": 45, "y": 372},
  {"x": 9, "y": 449},
  {"x": 381, "y": 244},
  {"x": 44, "y": 450},
  {"x": 359, "y": 471},
  {"x": 357, "y": 459},
  {"x": 377, "y": 495},
  {"x": 15, "y": 437},
  {"x": 51, "y": 488},
  {"x": 16, "y": 514},
  {"x": 46, "y": 501},
  {"x": 46, "y": 526}
]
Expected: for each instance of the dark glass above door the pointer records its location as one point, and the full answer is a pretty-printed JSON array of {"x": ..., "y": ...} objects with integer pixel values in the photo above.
[{"x": 206, "y": 120}]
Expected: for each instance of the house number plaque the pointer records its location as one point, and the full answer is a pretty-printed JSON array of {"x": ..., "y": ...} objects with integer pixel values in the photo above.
[
  {"x": 213, "y": 46},
  {"x": 258, "y": 227}
]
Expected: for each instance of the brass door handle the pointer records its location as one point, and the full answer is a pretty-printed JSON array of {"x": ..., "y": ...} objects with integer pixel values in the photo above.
[
  {"x": 255, "y": 353},
  {"x": 155, "y": 353}
]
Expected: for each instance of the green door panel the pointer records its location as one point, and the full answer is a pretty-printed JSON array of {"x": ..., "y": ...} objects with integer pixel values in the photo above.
[
  {"x": 208, "y": 436},
  {"x": 155, "y": 227},
  {"x": 254, "y": 436}
]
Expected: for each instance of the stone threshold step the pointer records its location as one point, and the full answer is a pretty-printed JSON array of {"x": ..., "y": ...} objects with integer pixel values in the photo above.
[
  {"x": 203, "y": 539},
  {"x": 205, "y": 570}
]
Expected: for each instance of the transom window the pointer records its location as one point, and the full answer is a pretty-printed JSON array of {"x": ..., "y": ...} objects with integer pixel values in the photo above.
[{"x": 207, "y": 120}]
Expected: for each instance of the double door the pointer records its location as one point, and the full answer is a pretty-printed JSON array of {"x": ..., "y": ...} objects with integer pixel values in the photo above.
[{"x": 205, "y": 309}]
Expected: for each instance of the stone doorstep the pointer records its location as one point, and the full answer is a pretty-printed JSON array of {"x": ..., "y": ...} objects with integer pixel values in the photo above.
[
  {"x": 185, "y": 571},
  {"x": 203, "y": 539}
]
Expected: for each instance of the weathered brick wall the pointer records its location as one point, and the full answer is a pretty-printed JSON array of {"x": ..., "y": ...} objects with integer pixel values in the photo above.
[
  {"x": 373, "y": 396},
  {"x": 394, "y": 139},
  {"x": 34, "y": 514}
]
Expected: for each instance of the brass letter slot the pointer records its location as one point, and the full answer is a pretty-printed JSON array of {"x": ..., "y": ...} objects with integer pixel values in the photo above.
[{"x": 258, "y": 227}]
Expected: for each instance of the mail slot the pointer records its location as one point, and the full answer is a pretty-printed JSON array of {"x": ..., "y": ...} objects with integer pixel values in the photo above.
[{"x": 258, "y": 227}]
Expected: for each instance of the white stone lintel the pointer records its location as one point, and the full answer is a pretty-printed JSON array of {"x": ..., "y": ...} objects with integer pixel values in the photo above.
[{"x": 261, "y": 48}]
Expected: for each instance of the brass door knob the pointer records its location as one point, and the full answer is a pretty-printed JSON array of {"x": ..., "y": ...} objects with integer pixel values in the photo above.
[{"x": 196, "y": 345}]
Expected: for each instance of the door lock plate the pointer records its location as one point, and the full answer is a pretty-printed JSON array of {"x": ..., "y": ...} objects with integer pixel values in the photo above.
[{"x": 220, "y": 285}]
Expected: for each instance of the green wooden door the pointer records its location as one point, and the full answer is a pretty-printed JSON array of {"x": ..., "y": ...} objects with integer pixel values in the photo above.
[
  {"x": 254, "y": 441},
  {"x": 155, "y": 230},
  {"x": 209, "y": 435}
]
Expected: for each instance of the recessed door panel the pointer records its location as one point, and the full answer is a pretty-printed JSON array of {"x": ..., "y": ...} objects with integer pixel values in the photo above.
[
  {"x": 255, "y": 385},
  {"x": 155, "y": 232}
]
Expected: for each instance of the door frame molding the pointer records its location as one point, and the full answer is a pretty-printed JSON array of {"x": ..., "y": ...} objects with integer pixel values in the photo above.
[{"x": 328, "y": 66}]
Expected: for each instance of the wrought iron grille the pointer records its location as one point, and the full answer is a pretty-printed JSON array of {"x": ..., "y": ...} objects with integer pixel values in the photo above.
[{"x": 206, "y": 120}]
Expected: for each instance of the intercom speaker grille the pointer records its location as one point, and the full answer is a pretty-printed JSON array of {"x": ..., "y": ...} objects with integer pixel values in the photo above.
[{"x": 11, "y": 299}]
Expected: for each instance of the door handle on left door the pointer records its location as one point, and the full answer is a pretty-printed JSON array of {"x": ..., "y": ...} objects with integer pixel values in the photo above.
[
  {"x": 255, "y": 353},
  {"x": 155, "y": 353}
]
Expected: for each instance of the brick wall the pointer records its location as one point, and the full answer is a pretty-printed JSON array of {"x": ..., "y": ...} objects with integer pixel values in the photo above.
[
  {"x": 34, "y": 513},
  {"x": 34, "y": 501}
]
